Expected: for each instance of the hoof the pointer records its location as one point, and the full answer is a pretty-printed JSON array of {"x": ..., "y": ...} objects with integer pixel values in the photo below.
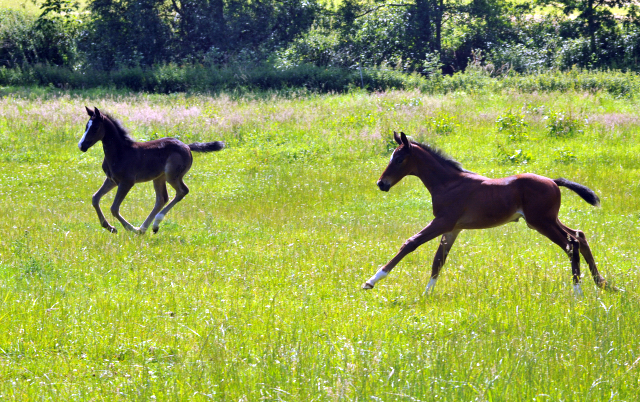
[
  {"x": 612, "y": 288},
  {"x": 367, "y": 286},
  {"x": 112, "y": 229},
  {"x": 606, "y": 285},
  {"x": 155, "y": 230}
]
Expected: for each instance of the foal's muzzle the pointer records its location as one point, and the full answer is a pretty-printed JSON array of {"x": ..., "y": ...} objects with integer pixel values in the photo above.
[{"x": 383, "y": 186}]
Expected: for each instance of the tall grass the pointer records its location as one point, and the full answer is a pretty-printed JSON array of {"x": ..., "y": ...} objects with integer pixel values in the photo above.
[
  {"x": 251, "y": 289},
  {"x": 172, "y": 78}
]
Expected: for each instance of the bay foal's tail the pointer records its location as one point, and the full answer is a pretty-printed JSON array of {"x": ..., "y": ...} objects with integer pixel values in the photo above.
[
  {"x": 206, "y": 146},
  {"x": 583, "y": 191}
]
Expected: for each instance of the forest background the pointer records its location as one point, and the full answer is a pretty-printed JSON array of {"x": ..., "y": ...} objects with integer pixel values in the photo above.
[{"x": 185, "y": 45}]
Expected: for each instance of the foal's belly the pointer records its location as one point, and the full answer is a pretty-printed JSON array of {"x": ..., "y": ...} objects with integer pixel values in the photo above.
[
  {"x": 143, "y": 173},
  {"x": 488, "y": 221},
  {"x": 489, "y": 213}
]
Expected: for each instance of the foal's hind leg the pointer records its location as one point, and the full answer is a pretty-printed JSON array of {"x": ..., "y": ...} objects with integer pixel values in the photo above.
[
  {"x": 162, "y": 197},
  {"x": 446, "y": 242},
  {"x": 569, "y": 242},
  {"x": 181, "y": 191},
  {"x": 107, "y": 186},
  {"x": 586, "y": 253}
]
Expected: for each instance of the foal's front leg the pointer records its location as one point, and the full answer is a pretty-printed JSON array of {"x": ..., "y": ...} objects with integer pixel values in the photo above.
[
  {"x": 107, "y": 186},
  {"x": 434, "y": 229},
  {"x": 123, "y": 190}
]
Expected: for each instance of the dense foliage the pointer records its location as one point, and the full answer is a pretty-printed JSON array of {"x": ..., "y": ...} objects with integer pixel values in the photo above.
[
  {"x": 146, "y": 32},
  {"x": 106, "y": 39},
  {"x": 26, "y": 40}
]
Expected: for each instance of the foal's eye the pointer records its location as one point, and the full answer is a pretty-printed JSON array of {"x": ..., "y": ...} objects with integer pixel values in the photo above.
[{"x": 399, "y": 160}]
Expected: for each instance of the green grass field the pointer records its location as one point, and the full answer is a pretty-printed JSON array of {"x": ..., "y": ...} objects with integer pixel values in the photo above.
[{"x": 251, "y": 289}]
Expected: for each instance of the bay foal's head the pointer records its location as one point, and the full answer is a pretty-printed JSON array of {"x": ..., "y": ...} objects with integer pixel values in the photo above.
[
  {"x": 400, "y": 165},
  {"x": 94, "y": 130}
]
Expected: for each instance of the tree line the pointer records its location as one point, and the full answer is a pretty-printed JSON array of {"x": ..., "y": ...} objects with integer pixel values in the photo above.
[{"x": 423, "y": 36}]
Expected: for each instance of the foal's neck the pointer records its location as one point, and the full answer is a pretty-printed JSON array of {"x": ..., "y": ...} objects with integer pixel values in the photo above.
[
  {"x": 434, "y": 173},
  {"x": 113, "y": 142}
]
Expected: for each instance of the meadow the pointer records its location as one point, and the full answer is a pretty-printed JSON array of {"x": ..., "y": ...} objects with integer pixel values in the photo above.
[{"x": 251, "y": 288}]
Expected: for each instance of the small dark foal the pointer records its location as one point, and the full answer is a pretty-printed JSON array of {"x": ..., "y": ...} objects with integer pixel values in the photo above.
[{"x": 127, "y": 162}]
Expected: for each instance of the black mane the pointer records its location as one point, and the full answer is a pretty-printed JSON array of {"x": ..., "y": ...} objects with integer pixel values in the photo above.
[
  {"x": 441, "y": 156},
  {"x": 123, "y": 132}
]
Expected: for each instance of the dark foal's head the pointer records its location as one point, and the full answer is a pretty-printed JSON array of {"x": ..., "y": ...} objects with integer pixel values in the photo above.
[
  {"x": 94, "y": 130},
  {"x": 400, "y": 165}
]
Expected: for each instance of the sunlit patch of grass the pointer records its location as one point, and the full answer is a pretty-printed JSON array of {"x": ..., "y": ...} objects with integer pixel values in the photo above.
[
  {"x": 26, "y": 5},
  {"x": 251, "y": 289},
  {"x": 31, "y": 6}
]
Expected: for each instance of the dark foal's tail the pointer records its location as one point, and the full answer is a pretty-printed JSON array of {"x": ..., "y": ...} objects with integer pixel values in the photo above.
[
  {"x": 206, "y": 146},
  {"x": 583, "y": 191}
]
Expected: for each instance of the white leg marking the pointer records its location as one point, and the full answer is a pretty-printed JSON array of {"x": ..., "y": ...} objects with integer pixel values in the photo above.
[
  {"x": 430, "y": 285},
  {"x": 375, "y": 278},
  {"x": 85, "y": 134},
  {"x": 577, "y": 290},
  {"x": 158, "y": 219}
]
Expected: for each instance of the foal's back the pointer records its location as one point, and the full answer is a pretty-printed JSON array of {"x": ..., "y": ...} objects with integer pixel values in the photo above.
[
  {"x": 154, "y": 158},
  {"x": 494, "y": 202}
]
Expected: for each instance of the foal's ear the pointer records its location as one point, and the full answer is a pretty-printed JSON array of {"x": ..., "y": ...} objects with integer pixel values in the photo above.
[
  {"x": 404, "y": 140},
  {"x": 397, "y": 138},
  {"x": 89, "y": 111},
  {"x": 98, "y": 114}
]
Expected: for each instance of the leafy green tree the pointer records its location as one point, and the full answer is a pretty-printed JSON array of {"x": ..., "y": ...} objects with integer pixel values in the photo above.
[
  {"x": 199, "y": 25},
  {"x": 60, "y": 23},
  {"x": 418, "y": 34},
  {"x": 128, "y": 33},
  {"x": 145, "y": 32},
  {"x": 20, "y": 41},
  {"x": 50, "y": 38},
  {"x": 593, "y": 16}
]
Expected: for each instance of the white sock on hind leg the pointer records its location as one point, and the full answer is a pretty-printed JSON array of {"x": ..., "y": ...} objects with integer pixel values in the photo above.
[
  {"x": 577, "y": 290},
  {"x": 158, "y": 219},
  {"x": 431, "y": 285}
]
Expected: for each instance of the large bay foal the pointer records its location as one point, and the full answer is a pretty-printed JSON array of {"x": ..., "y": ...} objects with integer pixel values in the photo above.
[
  {"x": 127, "y": 162},
  {"x": 465, "y": 200}
]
